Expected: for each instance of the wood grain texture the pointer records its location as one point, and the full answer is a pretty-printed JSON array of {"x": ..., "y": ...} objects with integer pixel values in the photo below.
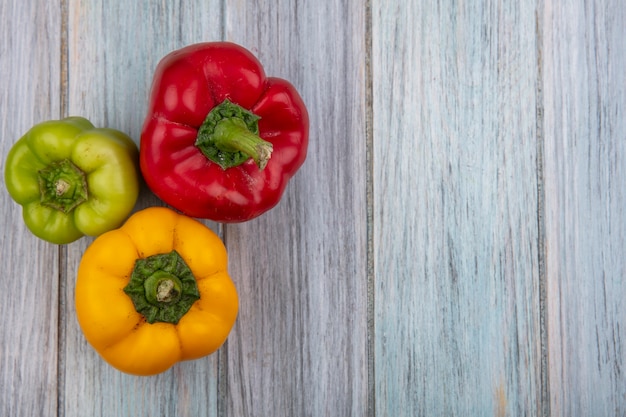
[
  {"x": 299, "y": 347},
  {"x": 29, "y": 93},
  {"x": 455, "y": 209},
  {"x": 110, "y": 85},
  {"x": 585, "y": 166},
  {"x": 454, "y": 244}
]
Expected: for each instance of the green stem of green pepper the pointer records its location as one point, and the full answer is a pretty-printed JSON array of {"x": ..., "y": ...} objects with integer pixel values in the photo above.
[{"x": 63, "y": 186}]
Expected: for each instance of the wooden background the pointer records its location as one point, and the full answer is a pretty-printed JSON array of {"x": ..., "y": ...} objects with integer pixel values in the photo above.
[{"x": 453, "y": 246}]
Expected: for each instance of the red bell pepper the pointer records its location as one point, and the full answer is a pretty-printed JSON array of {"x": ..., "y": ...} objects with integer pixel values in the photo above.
[{"x": 221, "y": 140}]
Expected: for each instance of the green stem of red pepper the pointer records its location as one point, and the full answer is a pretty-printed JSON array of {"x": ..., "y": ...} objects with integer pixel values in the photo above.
[
  {"x": 62, "y": 185},
  {"x": 229, "y": 137}
]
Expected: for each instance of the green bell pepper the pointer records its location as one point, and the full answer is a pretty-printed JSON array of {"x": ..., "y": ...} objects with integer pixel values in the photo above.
[{"x": 73, "y": 179}]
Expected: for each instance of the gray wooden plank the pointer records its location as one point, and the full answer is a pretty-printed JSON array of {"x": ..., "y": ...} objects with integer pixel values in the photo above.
[
  {"x": 457, "y": 325},
  {"x": 114, "y": 47},
  {"x": 29, "y": 94},
  {"x": 300, "y": 343},
  {"x": 584, "y": 84}
]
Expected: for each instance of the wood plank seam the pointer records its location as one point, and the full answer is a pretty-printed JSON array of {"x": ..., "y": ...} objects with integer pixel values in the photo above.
[
  {"x": 222, "y": 354},
  {"x": 63, "y": 253},
  {"x": 544, "y": 399},
  {"x": 369, "y": 189}
]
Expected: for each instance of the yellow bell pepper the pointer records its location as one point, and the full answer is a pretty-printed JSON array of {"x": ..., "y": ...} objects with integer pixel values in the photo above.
[{"x": 154, "y": 292}]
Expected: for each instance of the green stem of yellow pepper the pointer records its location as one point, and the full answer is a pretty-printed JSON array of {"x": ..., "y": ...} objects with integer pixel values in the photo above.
[{"x": 162, "y": 287}]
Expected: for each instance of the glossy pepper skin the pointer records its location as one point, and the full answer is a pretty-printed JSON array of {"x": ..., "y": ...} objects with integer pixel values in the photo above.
[
  {"x": 242, "y": 181},
  {"x": 73, "y": 179},
  {"x": 170, "y": 267}
]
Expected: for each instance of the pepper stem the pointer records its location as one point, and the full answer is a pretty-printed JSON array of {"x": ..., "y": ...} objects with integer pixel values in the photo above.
[
  {"x": 62, "y": 186},
  {"x": 162, "y": 287},
  {"x": 232, "y": 135},
  {"x": 229, "y": 136}
]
